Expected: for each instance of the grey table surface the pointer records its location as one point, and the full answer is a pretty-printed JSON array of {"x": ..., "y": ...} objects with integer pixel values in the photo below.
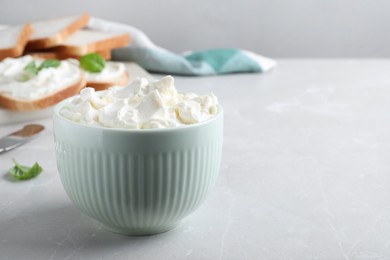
[{"x": 305, "y": 174}]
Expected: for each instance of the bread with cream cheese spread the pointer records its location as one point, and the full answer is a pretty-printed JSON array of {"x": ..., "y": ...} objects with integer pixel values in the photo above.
[
  {"x": 16, "y": 104},
  {"x": 47, "y": 88},
  {"x": 113, "y": 74},
  {"x": 121, "y": 80}
]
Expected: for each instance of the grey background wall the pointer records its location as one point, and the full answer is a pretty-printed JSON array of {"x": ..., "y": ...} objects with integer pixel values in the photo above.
[{"x": 277, "y": 28}]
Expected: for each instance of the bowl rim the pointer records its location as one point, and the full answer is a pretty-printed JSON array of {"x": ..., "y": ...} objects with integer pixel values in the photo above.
[{"x": 60, "y": 105}]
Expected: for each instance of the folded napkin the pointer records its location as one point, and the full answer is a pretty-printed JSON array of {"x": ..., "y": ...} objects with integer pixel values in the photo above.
[{"x": 197, "y": 63}]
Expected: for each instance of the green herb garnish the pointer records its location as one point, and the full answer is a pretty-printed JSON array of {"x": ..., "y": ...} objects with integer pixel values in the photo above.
[
  {"x": 24, "y": 172},
  {"x": 49, "y": 64},
  {"x": 92, "y": 62},
  {"x": 31, "y": 69}
]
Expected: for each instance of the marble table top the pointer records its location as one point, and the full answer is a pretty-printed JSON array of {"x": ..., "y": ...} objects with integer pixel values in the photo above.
[{"x": 305, "y": 174}]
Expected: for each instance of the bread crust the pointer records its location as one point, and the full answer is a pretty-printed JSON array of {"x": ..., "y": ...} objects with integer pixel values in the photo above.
[
  {"x": 116, "y": 41},
  {"x": 11, "y": 103},
  {"x": 122, "y": 81},
  {"x": 18, "y": 49},
  {"x": 60, "y": 37}
]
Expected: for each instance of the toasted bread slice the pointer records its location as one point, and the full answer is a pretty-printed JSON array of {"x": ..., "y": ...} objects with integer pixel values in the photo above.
[
  {"x": 86, "y": 41},
  {"x": 50, "y": 54},
  {"x": 113, "y": 74},
  {"x": 13, "y": 40},
  {"x": 52, "y": 32},
  {"x": 47, "y": 88}
]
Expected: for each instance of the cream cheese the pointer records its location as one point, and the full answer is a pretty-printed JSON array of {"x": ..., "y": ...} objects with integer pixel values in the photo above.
[
  {"x": 141, "y": 105},
  {"x": 48, "y": 80}
]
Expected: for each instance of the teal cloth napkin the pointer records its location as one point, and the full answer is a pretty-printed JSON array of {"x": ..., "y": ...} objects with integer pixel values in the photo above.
[{"x": 195, "y": 63}]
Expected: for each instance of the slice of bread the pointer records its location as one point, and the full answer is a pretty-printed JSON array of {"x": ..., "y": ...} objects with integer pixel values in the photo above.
[
  {"x": 122, "y": 80},
  {"x": 86, "y": 41},
  {"x": 50, "y": 86},
  {"x": 51, "y": 54},
  {"x": 52, "y": 32},
  {"x": 113, "y": 74},
  {"x": 16, "y": 104},
  {"x": 13, "y": 40}
]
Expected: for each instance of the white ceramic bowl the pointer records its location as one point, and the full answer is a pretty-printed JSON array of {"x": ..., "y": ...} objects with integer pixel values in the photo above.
[{"x": 138, "y": 182}]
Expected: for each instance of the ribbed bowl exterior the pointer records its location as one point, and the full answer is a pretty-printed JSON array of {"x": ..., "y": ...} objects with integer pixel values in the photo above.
[{"x": 138, "y": 182}]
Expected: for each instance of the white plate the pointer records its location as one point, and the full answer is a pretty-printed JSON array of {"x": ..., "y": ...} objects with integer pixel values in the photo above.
[{"x": 10, "y": 117}]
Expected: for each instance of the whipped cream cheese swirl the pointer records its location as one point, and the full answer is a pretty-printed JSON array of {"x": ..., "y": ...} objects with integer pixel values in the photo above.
[{"x": 141, "y": 105}]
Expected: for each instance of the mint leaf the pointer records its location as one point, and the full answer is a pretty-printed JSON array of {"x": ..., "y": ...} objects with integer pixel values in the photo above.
[
  {"x": 92, "y": 62},
  {"x": 31, "y": 69},
  {"x": 49, "y": 64},
  {"x": 22, "y": 172}
]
